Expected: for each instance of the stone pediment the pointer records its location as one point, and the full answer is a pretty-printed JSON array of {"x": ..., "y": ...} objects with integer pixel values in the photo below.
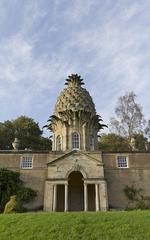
[{"x": 76, "y": 154}]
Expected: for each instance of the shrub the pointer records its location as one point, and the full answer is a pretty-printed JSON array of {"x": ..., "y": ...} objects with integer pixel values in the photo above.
[
  {"x": 11, "y": 184},
  {"x": 136, "y": 199}
]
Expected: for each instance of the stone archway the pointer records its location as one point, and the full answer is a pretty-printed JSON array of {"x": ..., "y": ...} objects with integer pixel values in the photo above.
[{"x": 76, "y": 191}]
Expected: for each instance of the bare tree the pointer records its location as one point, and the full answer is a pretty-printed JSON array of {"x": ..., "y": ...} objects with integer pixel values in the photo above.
[
  {"x": 130, "y": 119},
  {"x": 147, "y": 129}
]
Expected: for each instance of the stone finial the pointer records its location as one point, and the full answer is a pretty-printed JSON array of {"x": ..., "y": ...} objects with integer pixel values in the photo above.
[
  {"x": 16, "y": 144},
  {"x": 74, "y": 79},
  {"x": 133, "y": 144},
  {"x": 147, "y": 146}
]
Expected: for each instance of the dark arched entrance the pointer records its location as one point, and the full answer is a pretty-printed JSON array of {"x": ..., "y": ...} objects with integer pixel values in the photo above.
[{"x": 76, "y": 191}]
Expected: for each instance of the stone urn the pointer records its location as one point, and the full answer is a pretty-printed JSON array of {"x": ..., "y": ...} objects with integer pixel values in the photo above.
[
  {"x": 133, "y": 144},
  {"x": 147, "y": 146},
  {"x": 16, "y": 144}
]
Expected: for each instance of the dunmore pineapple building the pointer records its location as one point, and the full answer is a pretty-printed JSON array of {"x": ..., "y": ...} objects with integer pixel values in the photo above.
[{"x": 75, "y": 175}]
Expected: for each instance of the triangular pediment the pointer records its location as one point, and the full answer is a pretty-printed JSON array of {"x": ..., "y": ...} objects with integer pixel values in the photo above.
[{"x": 74, "y": 153}]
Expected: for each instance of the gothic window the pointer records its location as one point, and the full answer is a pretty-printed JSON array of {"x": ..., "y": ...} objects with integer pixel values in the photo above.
[
  {"x": 75, "y": 140},
  {"x": 58, "y": 143},
  {"x": 91, "y": 139}
]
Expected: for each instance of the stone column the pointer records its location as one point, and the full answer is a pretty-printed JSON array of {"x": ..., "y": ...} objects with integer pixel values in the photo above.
[
  {"x": 84, "y": 138},
  {"x": 53, "y": 143},
  {"x": 96, "y": 197},
  {"x": 66, "y": 197},
  {"x": 64, "y": 142},
  {"x": 54, "y": 197},
  {"x": 85, "y": 197},
  {"x": 48, "y": 196},
  {"x": 103, "y": 196}
]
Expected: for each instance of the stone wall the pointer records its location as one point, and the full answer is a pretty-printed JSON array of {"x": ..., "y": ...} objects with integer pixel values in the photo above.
[
  {"x": 33, "y": 178},
  {"x": 137, "y": 174}
]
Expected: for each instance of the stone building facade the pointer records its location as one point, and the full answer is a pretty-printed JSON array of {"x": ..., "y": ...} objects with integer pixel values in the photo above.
[{"x": 75, "y": 175}]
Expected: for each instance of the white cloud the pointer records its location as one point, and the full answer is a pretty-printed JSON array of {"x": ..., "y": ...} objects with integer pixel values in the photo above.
[
  {"x": 106, "y": 42},
  {"x": 53, "y": 28},
  {"x": 15, "y": 58},
  {"x": 74, "y": 11},
  {"x": 132, "y": 10}
]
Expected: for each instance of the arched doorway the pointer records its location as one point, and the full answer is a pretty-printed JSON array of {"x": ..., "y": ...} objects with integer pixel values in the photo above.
[{"x": 76, "y": 191}]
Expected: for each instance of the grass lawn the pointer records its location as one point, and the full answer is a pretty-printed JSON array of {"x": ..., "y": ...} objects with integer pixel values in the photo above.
[{"x": 133, "y": 225}]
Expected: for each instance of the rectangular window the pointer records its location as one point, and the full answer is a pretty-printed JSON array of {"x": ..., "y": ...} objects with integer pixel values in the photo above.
[
  {"x": 26, "y": 162},
  {"x": 122, "y": 162}
]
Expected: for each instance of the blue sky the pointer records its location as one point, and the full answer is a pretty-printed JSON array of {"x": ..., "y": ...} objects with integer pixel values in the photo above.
[{"x": 107, "y": 42}]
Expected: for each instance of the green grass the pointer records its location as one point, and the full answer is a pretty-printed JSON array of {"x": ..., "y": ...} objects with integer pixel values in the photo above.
[{"x": 134, "y": 225}]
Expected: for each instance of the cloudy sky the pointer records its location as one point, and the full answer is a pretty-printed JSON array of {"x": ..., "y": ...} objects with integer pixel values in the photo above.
[{"x": 107, "y": 42}]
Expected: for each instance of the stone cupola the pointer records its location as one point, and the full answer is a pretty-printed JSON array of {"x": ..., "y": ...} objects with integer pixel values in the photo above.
[{"x": 74, "y": 123}]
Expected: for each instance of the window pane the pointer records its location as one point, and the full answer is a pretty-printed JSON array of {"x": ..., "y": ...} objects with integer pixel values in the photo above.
[
  {"x": 91, "y": 142},
  {"x": 58, "y": 143},
  {"x": 75, "y": 140},
  {"x": 26, "y": 162},
  {"x": 122, "y": 162}
]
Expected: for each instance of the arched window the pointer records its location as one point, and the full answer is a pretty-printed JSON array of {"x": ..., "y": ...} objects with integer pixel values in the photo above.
[
  {"x": 75, "y": 140},
  {"x": 91, "y": 139},
  {"x": 58, "y": 143}
]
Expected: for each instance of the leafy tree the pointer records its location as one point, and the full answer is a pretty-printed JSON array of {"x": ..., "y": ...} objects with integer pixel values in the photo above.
[
  {"x": 130, "y": 119},
  {"x": 113, "y": 142},
  {"x": 141, "y": 142},
  {"x": 27, "y": 131},
  {"x": 6, "y": 135},
  {"x": 11, "y": 184}
]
